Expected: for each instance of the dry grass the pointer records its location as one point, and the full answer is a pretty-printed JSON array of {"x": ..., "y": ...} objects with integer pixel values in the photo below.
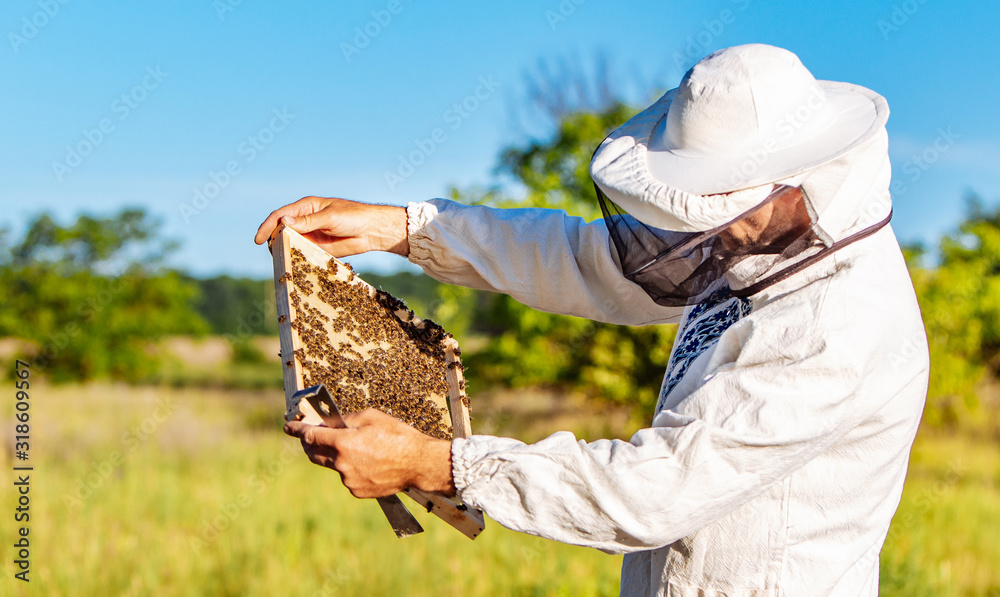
[
  {"x": 159, "y": 491},
  {"x": 205, "y": 497}
]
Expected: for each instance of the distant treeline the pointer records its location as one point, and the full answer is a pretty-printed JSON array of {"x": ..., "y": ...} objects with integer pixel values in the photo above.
[
  {"x": 236, "y": 306},
  {"x": 91, "y": 299},
  {"x": 88, "y": 300}
]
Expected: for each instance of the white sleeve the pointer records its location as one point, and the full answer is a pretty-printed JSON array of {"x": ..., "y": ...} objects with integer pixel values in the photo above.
[
  {"x": 541, "y": 257},
  {"x": 794, "y": 386}
]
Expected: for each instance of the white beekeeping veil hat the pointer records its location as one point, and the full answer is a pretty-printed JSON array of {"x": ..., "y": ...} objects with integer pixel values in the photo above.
[{"x": 748, "y": 126}]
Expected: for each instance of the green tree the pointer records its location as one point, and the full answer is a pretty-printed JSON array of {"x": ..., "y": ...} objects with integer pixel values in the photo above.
[
  {"x": 236, "y": 307},
  {"x": 420, "y": 291},
  {"x": 527, "y": 347},
  {"x": 960, "y": 302},
  {"x": 90, "y": 298}
]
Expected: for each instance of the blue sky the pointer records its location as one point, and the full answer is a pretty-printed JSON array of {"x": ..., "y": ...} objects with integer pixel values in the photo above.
[{"x": 211, "y": 113}]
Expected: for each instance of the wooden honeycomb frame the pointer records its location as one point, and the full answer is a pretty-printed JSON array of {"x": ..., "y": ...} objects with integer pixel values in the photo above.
[{"x": 294, "y": 351}]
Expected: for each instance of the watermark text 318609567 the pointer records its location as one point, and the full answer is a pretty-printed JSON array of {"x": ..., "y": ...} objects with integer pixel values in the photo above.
[{"x": 22, "y": 473}]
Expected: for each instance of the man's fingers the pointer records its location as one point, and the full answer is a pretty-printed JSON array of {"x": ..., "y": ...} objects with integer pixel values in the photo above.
[
  {"x": 303, "y": 206},
  {"x": 313, "y": 435},
  {"x": 317, "y": 442},
  {"x": 269, "y": 224},
  {"x": 340, "y": 226},
  {"x": 293, "y": 428},
  {"x": 303, "y": 224}
]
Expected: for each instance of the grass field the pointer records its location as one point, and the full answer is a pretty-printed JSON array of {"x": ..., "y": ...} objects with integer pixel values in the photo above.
[{"x": 154, "y": 491}]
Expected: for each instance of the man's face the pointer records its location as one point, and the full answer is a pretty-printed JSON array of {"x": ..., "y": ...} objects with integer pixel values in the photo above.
[{"x": 781, "y": 217}]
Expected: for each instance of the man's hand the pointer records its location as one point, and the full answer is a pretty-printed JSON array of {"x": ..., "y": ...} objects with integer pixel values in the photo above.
[
  {"x": 378, "y": 455},
  {"x": 341, "y": 227}
]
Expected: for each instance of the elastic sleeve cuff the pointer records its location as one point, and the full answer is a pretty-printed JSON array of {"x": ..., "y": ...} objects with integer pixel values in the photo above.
[
  {"x": 462, "y": 457},
  {"x": 474, "y": 462},
  {"x": 418, "y": 216}
]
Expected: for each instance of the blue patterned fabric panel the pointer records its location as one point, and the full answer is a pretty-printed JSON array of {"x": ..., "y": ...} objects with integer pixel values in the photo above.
[{"x": 704, "y": 326}]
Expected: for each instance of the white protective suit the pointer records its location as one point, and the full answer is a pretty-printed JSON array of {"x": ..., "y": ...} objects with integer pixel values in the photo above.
[{"x": 777, "y": 456}]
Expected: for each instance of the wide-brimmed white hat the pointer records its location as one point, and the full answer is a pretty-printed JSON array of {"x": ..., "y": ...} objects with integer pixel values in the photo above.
[{"x": 742, "y": 118}]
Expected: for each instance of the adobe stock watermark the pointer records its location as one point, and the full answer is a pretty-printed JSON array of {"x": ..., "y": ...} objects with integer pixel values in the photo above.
[
  {"x": 696, "y": 45},
  {"x": 926, "y": 500},
  {"x": 87, "y": 310},
  {"x": 913, "y": 346},
  {"x": 366, "y": 33},
  {"x": 919, "y": 163},
  {"x": 224, "y": 7},
  {"x": 251, "y": 323},
  {"x": 248, "y": 149},
  {"x": 899, "y": 16},
  {"x": 31, "y": 26},
  {"x": 334, "y": 580},
  {"x": 122, "y": 107},
  {"x": 453, "y": 117},
  {"x": 562, "y": 13},
  {"x": 533, "y": 554},
  {"x": 785, "y": 128},
  {"x": 131, "y": 439},
  {"x": 213, "y": 526}
]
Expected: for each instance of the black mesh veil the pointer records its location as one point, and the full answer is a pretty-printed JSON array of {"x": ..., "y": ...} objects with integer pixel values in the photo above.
[{"x": 761, "y": 247}]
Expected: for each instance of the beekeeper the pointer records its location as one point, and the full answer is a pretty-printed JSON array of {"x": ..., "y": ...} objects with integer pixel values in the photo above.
[{"x": 750, "y": 205}]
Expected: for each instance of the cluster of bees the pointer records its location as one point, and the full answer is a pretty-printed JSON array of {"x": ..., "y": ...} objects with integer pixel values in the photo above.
[{"x": 365, "y": 353}]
